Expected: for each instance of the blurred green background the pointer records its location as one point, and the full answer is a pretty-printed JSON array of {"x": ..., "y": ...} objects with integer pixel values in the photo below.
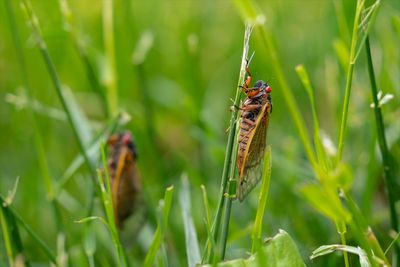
[{"x": 179, "y": 102}]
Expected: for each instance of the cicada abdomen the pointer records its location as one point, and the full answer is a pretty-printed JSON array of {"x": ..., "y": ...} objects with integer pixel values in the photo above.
[
  {"x": 254, "y": 119},
  {"x": 126, "y": 189}
]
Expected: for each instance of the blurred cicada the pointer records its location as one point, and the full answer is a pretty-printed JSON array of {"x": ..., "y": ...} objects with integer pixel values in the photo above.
[
  {"x": 126, "y": 188},
  {"x": 254, "y": 120}
]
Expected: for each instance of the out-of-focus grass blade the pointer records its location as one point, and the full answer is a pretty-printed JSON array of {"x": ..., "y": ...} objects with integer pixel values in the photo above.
[
  {"x": 364, "y": 262},
  {"x": 321, "y": 155},
  {"x": 342, "y": 53},
  {"x": 262, "y": 201},
  {"x": 79, "y": 118},
  {"x": 89, "y": 243},
  {"x": 279, "y": 250},
  {"x": 165, "y": 205},
  {"x": 209, "y": 245},
  {"x": 396, "y": 24},
  {"x": 79, "y": 44},
  {"x": 109, "y": 209},
  {"x": 192, "y": 245},
  {"x": 21, "y": 101},
  {"x": 33, "y": 22},
  {"x": 6, "y": 231},
  {"x": 27, "y": 228},
  {"x": 143, "y": 47},
  {"x": 110, "y": 77},
  {"x": 330, "y": 207}
]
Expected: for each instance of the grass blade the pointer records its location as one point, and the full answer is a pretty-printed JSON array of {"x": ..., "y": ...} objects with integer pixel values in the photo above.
[
  {"x": 34, "y": 23},
  {"x": 192, "y": 245},
  {"x": 109, "y": 209},
  {"x": 321, "y": 155},
  {"x": 262, "y": 201},
  {"x": 389, "y": 177},
  {"x": 79, "y": 45},
  {"x": 165, "y": 205},
  {"x": 231, "y": 137},
  {"x": 349, "y": 77},
  {"x": 110, "y": 78},
  {"x": 31, "y": 233}
]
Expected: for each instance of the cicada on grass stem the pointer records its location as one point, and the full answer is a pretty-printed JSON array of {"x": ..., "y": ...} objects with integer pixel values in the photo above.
[
  {"x": 255, "y": 112},
  {"x": 126, "y": 189}
]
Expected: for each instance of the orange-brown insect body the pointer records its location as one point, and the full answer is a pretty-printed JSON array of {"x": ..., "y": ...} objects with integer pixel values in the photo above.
[
  {"x": 254, "y": 113},
  {"x": 125, "y": 181}
]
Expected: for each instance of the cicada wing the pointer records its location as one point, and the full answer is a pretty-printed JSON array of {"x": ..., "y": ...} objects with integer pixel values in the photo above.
[
  {"x": 125, "y": 186},
  {"x": 251, "y": 168}
]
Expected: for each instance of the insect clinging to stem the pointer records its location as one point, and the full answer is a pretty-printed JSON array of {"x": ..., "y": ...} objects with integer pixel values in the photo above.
[
  {"x": 255, "y": 112},
  {"x": 126, "y": 189}
]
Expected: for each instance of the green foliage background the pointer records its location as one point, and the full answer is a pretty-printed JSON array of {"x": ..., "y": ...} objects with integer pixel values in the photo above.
[{"x": 179, "y": 100}]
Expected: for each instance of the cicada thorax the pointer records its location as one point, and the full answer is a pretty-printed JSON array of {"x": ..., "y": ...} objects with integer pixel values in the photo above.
[
  {"x": 125, "y": 182},
  {"x": 254, "y": 118}
]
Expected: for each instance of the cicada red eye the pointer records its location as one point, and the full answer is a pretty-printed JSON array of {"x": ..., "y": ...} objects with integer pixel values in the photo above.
[
  {"x": 268, "y": 89},
  {"x": 126, "y": 139}
]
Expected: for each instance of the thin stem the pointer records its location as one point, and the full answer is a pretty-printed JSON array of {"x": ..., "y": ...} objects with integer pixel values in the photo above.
[
  {"x": 38, "y": 141},
  {"x": 111, "y": 77},
  {"x": 232, "y": 133},
  {"x": 345, "y": 254},
  {"x": 225, "y": 228},
  {"x": 56, "y": 81},
  {"x": 349, "y": 78},
  {"x": 33, "y": 235},
  {"x": 389, "y": 177}
]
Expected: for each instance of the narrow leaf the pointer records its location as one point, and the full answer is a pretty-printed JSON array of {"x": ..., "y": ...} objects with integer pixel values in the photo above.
[{"x": 192, "y": 246}]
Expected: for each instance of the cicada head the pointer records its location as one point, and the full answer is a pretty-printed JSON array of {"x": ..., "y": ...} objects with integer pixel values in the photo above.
[
  {"x": 117, "y": 141},
  {"x": 263, "y": 86},
  {"x": 260, "y": 88}
]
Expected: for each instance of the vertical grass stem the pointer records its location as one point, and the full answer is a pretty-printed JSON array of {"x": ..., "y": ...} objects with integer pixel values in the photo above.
[{"x": 389, "y": 178}]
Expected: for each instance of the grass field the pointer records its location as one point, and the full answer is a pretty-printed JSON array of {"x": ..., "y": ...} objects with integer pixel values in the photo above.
[{"x": 72, "y": 72}]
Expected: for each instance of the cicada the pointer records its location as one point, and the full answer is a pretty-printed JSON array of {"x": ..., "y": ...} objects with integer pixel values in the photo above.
[
  {"x": 126, "y": 189},
  {"x": 255, "y": 112}
]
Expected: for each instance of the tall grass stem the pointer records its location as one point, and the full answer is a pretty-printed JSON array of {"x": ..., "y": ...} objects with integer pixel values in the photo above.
[
  {"x": 349, "y": 78},
  {"x": 389, "y": 178},
  {"x": 231, "y": 137},
  {"x": 111, "y": 74}
]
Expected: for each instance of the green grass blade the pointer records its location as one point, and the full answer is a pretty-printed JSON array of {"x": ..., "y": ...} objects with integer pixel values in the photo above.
[
  {"x": 231, "y": 137},
  {"x": 349, "y": 77},
  {"x": 192, "y": 245},
  {"x": 321, "y": 155},
  {"x": 389, "y": 176},
  {"x": 262, "y": 202},
  {"x": 34, "y": 23},
  {"x": 109, "y": 209},
  {"x": 6, "y": 237},
  {"x": 76, "y": 39},
  {"x": 110, "y": 76},
  {"x": 365, "y": 25},
  {"x": 30, "y": 232},
  {"x": 209, "y": 246},
  {"x": 165, "y": 205}
]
